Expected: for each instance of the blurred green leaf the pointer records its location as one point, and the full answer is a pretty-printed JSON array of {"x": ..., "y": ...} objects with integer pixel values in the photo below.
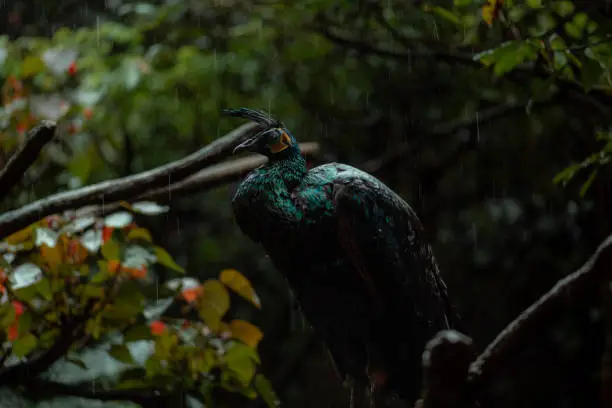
[
  {"x": 24, "y": 345},
  {"x": 265, "y": 390},
  {"x": 32, "y": 65},
  {"x": 241, "y": 359},
  {"x": 591, "y": 73},
  {"x": 111, "y": 250},
  {"x": 138, "y": 332},
  {"x": 587, "y": 184},
  {"x": 121, "y": 353},
  {"x": 164, "y": 258}
]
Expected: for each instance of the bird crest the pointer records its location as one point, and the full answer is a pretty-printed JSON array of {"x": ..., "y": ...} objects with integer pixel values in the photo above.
[{"x": 260, "y": 117}]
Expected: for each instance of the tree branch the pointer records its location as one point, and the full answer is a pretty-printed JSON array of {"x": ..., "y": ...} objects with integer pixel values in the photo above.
[
  {"x": 367, "y": 48},
  {"x": 597, "y": 94},
  {"x": 126, "y": 187},
  {"x": 204, "y": 180},
  {"x": 446, "y": 128},
  {"x": 23, "y": 158},
  {"x": 530, "y": 321},
  {"x": 217, "y": 175},
  {"x": 446, "y": 361}
]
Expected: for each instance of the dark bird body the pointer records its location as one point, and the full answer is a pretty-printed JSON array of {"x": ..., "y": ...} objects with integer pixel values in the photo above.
[{"x": 352, "y": 251}]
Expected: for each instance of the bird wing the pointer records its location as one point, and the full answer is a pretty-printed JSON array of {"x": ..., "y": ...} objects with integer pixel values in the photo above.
[{"x": 382, "y": 238}]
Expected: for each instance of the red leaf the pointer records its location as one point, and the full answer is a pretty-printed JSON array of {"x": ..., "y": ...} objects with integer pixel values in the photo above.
[
  {"x": 158, "y": 327},
  {"x": 72, "y": 69},
  {"x": 19, "y": 308},
  {"x": 13, "y": 332},
  {"x": 107, "y": 232},
  {"x": 21, "y": 128}
]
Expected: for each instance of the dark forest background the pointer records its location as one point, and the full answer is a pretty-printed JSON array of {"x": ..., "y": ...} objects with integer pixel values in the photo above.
[{"x": 492, "y": 119}]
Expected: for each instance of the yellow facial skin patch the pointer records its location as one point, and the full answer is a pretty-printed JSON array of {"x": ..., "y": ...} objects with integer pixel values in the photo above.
[{"x": 283, "y": 142}]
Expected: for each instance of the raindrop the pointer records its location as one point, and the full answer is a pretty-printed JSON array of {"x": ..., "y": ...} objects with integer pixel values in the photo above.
[
  {"x": 477, "y": 128},
  {"x": 98, "y": 30}
]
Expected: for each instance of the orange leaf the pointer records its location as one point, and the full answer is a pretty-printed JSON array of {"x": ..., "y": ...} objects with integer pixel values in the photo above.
[
  {"x": 191, "y": 294},
  {"x": 77, "y": 253},
  {"x": 158, "y": 327},
  {"x": 246, "y": 332},
  {"x": 136, "y": 273},
  {"x": 114, "y": 266}
]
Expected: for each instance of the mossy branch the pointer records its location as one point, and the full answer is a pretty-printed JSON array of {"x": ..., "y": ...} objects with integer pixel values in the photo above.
[
  {"x": 449, "y": 382},
  {"x": 127, "y": 187}
]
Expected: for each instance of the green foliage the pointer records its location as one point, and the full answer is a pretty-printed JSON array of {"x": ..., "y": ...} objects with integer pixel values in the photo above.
[
  {"x": 101, "y": 269},
  {"x": 553, "y": 40},
  {"x": 148, "y": 82}
]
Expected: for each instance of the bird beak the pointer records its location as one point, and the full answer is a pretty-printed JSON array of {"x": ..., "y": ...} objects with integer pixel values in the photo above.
[{"x": 247, "y": 145}]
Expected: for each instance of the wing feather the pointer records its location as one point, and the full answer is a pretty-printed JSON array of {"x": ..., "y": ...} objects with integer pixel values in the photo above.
[{"x": 383, "y": 238}]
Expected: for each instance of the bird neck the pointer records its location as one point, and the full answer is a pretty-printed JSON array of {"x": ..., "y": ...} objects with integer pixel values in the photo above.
[{"x": 290, "y": 168}]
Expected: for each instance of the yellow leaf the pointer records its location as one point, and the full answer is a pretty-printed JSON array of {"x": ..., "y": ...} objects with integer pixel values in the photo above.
[
  {"x": 52, "y": 256},
  {"x": 31, "y": 66},
  {"x": 246, "y": 332},
  {"x": 20, "y": 236},
  {"x": 140, "y": 233},
  {"x": 490, "y": 10},
  {"x": 239, "y": 284},
  {"x": 214, "y": 303}
]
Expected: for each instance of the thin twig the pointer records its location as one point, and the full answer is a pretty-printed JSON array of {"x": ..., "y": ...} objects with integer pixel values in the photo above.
[
  {"x": 445, "y": 128},
  {"x": 126, "y": 187},
  {"x": 17, "y": 165}
]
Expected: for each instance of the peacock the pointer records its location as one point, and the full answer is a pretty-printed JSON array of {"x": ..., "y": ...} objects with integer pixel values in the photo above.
[{"x": 353, "y": 253}]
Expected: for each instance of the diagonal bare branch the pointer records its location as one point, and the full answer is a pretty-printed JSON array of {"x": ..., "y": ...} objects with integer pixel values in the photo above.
[
  {"x": 23, "y": 158},
  {"x": 530, "y": 321},
  {"x": 126, "y": 187},
  {"x": 204, "y": 180}
]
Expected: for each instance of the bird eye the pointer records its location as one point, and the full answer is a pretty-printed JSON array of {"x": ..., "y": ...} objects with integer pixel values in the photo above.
[{"x": 285, "y": 138}]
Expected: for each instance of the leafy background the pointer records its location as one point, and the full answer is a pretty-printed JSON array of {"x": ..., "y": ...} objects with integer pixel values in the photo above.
[{"x": 492, "y": 119}]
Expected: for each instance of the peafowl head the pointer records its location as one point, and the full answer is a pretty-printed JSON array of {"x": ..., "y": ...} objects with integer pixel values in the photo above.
[{"x": 272, "y": 138}]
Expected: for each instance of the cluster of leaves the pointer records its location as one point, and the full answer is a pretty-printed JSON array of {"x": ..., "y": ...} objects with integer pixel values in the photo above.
[
  {"x": 96, "y": 276},
  {"x": 562, "y": 39},
  {"x": 557, "y": 40},
  {"x": 110, "y": 85}
]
